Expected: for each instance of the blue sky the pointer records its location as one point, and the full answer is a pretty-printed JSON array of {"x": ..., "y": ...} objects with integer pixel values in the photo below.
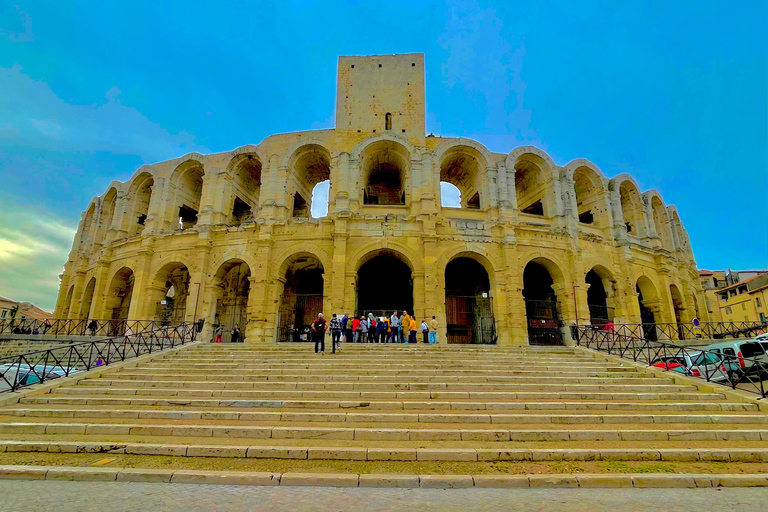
[{"x": 672, "y": 92}]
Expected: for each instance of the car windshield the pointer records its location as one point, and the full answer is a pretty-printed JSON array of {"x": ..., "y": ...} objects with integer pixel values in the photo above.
[
  {"x": 752, "y": 350},
  {"x": 701, "y": 357}
]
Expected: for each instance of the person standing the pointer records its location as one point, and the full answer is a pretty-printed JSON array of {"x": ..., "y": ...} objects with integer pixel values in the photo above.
[
  {"x": 92, "y": 327},
  {"x": 319, "y": 326},
  {"x": 424, "y": 331},
  {"x": 363, "y": 330},
  {"x": 235, "y": 334},
  {"x": 394, "y": 325},
  {"x": 412, "y": 332},
  {"x": 356, "y": 329},
  {"x": 335, "y": 331},
  {"x": 344, "y": 329},
  {"x": 405, "y": 324},
  {"x": 217, "y": 334},
  {"x": 348, "y": 330},
  {"x": 381, "y": 330},
  {"x": 371, "y": 328},
  {"x": 433, "y": 330}
]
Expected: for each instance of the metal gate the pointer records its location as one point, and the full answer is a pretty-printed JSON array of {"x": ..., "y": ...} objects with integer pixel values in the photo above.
[
  {"x": 543, "y": 322},
  {"x": 296, "y": 315},
  {"x": 230, "y": 313},
  {"x": 469, "y": 319}
]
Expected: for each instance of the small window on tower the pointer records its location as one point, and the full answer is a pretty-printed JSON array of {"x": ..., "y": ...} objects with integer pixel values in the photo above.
[{"x": 388, "y": 121}]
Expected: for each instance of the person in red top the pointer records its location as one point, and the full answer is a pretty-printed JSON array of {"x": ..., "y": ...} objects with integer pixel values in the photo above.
[{"x": 356, "y": 329}]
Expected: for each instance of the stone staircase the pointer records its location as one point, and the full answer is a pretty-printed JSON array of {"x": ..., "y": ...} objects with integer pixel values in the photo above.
[{"x": 391, "y": 408}]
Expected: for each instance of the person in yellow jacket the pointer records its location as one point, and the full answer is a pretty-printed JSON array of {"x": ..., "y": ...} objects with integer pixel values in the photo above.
[
  {"x": 412, "y": 327},
  {"x": 405, "y": 325}
]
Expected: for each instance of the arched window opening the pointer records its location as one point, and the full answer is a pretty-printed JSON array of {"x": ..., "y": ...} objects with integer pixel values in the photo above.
[
  {"x": 85, "y": 234},
  {"x": 590, "y": 202},
  {"x": 631, "y": 206},
  {"x": 189, "y": 191},
  {"x": 301, "y": 299},
  {"x": 68, "y": 303},
  {"x": 460, "y": 170},
  {"x": 311, "y": 166},
  {"x": 532, "y": 187},
  {"x": 661, "y": 221},
  {"x": 541, "y": 306},
  {"x": 600, "y": 312},
  {"x": 382, "y": 298},
  {"x": 118, "y": 300},
  {"x": 140, "y": 197},
  {"x": 320, "y": 199},
  {"x": 468, "y": 308},
  {"x": 169, "y": 294},
  {"x": 388, "y": 121},
  {"x": 647, "y": 299},
  {"x": 107, "y": 214},
  {"x": 385, "y": 165},
  {"x": 231, "y": 292},
  {"x": 247, "y": 188}
]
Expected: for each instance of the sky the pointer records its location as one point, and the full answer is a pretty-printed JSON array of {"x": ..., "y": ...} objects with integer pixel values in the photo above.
[{"x": 673, "y": 93}]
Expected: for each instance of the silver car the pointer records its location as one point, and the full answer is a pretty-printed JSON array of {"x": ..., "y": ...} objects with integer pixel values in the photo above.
[{"x": 694, "y": 363}]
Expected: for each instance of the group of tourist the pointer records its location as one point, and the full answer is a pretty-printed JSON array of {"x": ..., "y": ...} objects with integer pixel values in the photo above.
[{"x": 370, "y": 329}]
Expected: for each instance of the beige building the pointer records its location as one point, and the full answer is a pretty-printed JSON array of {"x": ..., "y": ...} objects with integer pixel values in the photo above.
[
  {"x": 26, "y": 311},
  {"x": 744, "y": 301},
  {"x": 533, "y": 248}
]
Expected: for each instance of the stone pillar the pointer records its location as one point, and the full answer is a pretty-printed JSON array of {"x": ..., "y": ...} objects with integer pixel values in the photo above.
[
  {"x": 141, "y": 307},
  {"x": 162, "y": 202},
  {"x": 120, "y": 219},
  {"x": 341, "y": 194},
  {"x": 565, "y": 305},
  {"x": 434, "y": 290},
  {"x": 421, "y": 302},
  {"x": 517, "y": 323},
  {"x": 617, "y": 216},
  {"x": 340, "y": 281},
  {"x": 216, "y": 198},
  {"x": 263, "y": 301}
]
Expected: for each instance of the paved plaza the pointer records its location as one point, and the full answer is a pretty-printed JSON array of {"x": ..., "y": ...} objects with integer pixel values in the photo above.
[{"x": 129, "y": 496}]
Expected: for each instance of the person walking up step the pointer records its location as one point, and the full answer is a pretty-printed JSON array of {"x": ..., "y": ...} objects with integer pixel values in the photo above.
[
  {"x": 318, "y": 327},
  {"x": 335, "y": 332}
]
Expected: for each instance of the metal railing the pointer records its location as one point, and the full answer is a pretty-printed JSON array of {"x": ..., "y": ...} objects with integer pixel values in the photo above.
[
  {"x": 82, "y": 327},
  {"x": 687, "y": 331},
  {"x": 744, "y": 373},
  {"x": 36, "y": 367}
]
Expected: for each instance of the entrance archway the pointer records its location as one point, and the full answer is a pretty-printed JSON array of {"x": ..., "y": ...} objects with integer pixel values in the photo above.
[
  {"x": 468, "y": 306},
  {"x": 85, "y": 305},
  {"x": 647, "y": 298},
  {"x": 541, "y": 306},
  {"x": 169, "y": 293},
  {"x": 384, "y": 284},
  {"x": 599, "y": 297},
  {"x": 231, "y": 288},
  {"x": 302, "y": 297},
  {"x": 679, "y": 307},
  {"x": 118, "y": 300}
]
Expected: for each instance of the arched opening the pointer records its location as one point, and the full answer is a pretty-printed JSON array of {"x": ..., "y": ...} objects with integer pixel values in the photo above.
[
  {"x": 599, "y": 296},
  {"x": 85, "y": 235},
  {"x": 460, "y": 168},
  {"x": 106, "y": 215},
  {"x": 232, "y": 286},
  {"x": 678, "y": 304},
  {"x": 532, "y": 186},
  {"x": 247, "y": 188},
  {"x": 385, "y": 165},
  {"x": 541, "y": 308},
  {"x": 661, "y": 222},
  {"x": 68, "y": 302},
  {"x": 632, "y": 209},
  {"x": 85, "y": 304},
  {"x": 680, "y": 232},
  {"x": 384, "y": 284},
  {"x": 450, "y": 195},
  {"x": 139, "y": 196},
  {"x": 302, "y": 297},
  {"x": 647, "y": 299},
  {"x": 590, "y": 201},
  {"x": 468, "y": 306},
  {"x": 311, "y": 166},
  {"x": 189, "y": 192},
  {"x": 169, "y": 293}
]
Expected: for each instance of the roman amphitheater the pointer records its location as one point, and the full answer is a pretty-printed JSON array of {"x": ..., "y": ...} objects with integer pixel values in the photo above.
[{"x": 532, "y": 249}]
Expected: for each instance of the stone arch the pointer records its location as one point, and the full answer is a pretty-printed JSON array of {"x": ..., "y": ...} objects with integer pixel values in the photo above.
[
  {"x": 535, "y": 181},
  {"x": 677, "y": 227},
  {"x": 301, "y": 294},
  {"x": 137, "y": 199},
  {"x": 678, "y": 304},
  {"x": 601, "y": 294},
  {"x": 310, "y": 165},
  {"x": 168, "y": 292},
  {"x": 542, "y": 280},
  {"x": 87, "y": 299},
  {"x": 231, "y": 288},
  {"x": 246, "y": 171},
  {"x": 362, "y": 146},
  {"x": 649, "y": 304},
  {"x": 396, "y": 295},
  {"x": 464, "y": 166},
  {"x": 468, "y": 280},
  {"x": 385, "y": 168},
  {"x": 632, "y": 206},
  {"x": 591, "y": 196},
  {"x": 250, "y": 149},
  {"x": 86, "y": 233},
  {"x": 186, "y": 190},
  {"x": 106, "y": 214},
  {"x": 658, "y": 213},
  {"x": 65, "y": 313},
  {"x": 120, "y": 294}
]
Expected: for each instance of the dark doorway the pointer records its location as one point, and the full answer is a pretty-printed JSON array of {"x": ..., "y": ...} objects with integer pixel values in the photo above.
[
  {"x": 597, "y": 300},
  {"x": 647, "y": 318},
  {"x": 384, "y": 284},
  {"x": 302, "y": 299},
  {"x": 541, "y": 306},
  {"x": 468, "y": 307}
]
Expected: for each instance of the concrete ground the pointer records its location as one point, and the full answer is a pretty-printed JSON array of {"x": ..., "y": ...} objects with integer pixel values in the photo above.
[{"x": 128, "y": 496}]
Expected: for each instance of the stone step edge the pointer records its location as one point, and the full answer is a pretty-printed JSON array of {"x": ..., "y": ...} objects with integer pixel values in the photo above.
[
  {"x": 381, "y": 480},
  {"x": 380, "y": 434},
  {"x": 757, "y": 455}
]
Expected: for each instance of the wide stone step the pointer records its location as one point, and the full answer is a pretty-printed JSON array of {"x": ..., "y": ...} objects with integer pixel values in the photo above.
[
  {"x": 638, "y": 405},
  {"x": 381, "y": 434},
  {"x": 371, "y": 395},
  {"x": 392, "y": 454},
  {"x": 659, "y": 386},
  {"x": 327, "y": 363},
  {"x": 394, "y": 377},
  {"x": 361, "y": 417}
]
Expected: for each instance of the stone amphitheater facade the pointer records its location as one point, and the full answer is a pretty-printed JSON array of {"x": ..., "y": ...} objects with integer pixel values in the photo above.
[{"x": 533, "y": 248}]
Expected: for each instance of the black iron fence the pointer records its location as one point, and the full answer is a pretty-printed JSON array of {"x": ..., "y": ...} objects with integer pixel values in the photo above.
[
  {"x": 689, "y": 331},
  {"x": 716, "y": 366},
  {"x": 36, "y": 367},
  {"x": 83, "y": 327}
]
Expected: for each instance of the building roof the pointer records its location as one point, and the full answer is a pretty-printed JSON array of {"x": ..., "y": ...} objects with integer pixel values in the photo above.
[
  {"x": 705, "y": 272},
  {"x": 34, "y": 312},
  {"x": 746, "y": 282}
]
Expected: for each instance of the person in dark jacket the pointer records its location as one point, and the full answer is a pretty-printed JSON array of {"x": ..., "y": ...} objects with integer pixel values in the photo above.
[
  {"x": 236, "y": 335},
  {"x": 92, "y": 326},
  {"x": 318, "y": 327}
]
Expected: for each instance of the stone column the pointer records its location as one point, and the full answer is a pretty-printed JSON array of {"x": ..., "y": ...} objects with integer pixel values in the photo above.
[
  {"x": 263, "y": 304},
  {"x": 141, "y": 307},
  {"x": 341, "y": 194},
  {"x": 421, "y": 302},
  {"x": 517, "y": 323},
  {"x": 120, "y": 219}
]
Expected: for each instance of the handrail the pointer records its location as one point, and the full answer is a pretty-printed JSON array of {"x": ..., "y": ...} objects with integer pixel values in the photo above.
[
  {"x": 22, "y": 370},
  {"x": 746, "y": 373},
  {"x": 689, "y": 331},
  {"x": 82, "y": 326}
]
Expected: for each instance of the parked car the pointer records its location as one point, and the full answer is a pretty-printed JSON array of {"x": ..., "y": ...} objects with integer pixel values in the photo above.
[
  {"x": 25, "y": 375},
  {"x": 694, "y": 363},
  {"x": 737, "y": 353}
]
